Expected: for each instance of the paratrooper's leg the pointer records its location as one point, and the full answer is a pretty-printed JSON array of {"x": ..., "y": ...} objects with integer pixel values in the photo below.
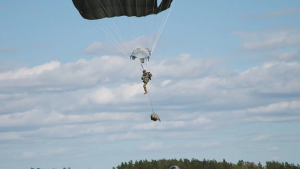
[{"x": 145, "y": 88}]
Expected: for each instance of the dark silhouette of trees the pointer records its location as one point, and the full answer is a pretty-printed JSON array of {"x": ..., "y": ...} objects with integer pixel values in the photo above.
[{"x": 205, "y": 164}]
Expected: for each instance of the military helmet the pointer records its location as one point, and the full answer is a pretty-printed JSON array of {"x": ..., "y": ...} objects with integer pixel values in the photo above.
[{"x": 144, "y": 71}]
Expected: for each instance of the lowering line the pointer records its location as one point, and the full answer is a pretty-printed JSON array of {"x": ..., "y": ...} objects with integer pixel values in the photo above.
[
  {"x": 150, "y": 100},
  {"x": 149, "y": 94}
]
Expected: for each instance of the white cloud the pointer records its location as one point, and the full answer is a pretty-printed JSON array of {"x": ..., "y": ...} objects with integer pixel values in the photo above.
[
  {"x": 245, "y": 16},
  {"x": 126, "y": 136},
  {"x": 275, "y": 112},
  {"x": 211, "y": 144},
  {"x": 274, "y": 149},
  {"x": 27, "y": 73},
  {"x": 94, "y": 48},
  {"x": 203, "y": 145},
  {"x": 129, "y": 92},
  {"x": 8, "y": 49},
  {"x": 102, "y": 96},
  {"x": 101, "y": 101},
  {"x": 28, "y": 154},
  {"x": 278, "y": 13},
  {"x": 54, "y": 76},
  {"x": 288, "y": 139},
  {"x": 39, "y": 116},
  {"x": 124, "y": 93},
  {"x": 193, "y": 133},
  {"x": 182, "y": 66},
  {"x": 9, "y": 136},
  {"x": 293, "y": 55},
  {"x": 270, "y": 149},
  {"x": 154, "y": 146},
  {"x": 262, "y": 137},
  {"x": 276, "y": 158},
  {"x": 268, "y": 40},
  {"x": 44, "y": 154},
  {"x": 125, "y": 47},
  {"x": 271, "y": 119},
  {"x": 101, "y": 84},
  {"x": 73, "y": 130},
  {"x": 164, "y": 83},
  {"x": 201, "y": 121},
  {"x": 159, "y": 125},
  {"x": 272, "y": 14},
  {"x": 293, "y": 106}
]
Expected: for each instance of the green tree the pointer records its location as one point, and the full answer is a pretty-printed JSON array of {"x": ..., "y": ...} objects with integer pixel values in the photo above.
[
  {"x": 186, "y": 163},
  {"x": 130, "y": 164},
  {"x": 274, "y": 165},
  {"x": 259, "y": 165},
  {"x": 136, "y": 164},
  {"x": 225, "y": 165},
  {"x": 205, "y": 164}
]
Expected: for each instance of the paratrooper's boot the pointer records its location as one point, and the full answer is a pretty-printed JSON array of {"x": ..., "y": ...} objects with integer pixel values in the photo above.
[{"x": 145, "y": 92}]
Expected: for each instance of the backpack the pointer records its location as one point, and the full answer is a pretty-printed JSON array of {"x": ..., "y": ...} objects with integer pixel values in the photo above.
[{"x": 150, "y": 75}]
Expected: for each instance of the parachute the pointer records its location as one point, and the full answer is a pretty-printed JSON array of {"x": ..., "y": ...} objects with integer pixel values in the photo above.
[
  {"x": 143, "y": 54},
  {"x": 132, "y": 26},
  {"x": 98, "y": 9}
]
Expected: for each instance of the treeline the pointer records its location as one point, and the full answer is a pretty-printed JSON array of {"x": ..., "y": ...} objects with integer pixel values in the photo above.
[
  {"x": 205, "y": 164},
  {"x": 53, "y": 168}
]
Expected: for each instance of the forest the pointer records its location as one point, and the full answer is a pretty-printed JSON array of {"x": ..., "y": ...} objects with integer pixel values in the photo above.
[
  {"x": 197, "y": 164},
  {"x": 205, "y": 164}
]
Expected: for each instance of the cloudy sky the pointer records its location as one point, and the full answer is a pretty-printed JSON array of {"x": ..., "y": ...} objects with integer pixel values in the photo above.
[{"x": 225, "y": 84}]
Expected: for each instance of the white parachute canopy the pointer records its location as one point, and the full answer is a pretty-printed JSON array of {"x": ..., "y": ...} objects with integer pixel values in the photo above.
[{"x": 142, "y": 55}]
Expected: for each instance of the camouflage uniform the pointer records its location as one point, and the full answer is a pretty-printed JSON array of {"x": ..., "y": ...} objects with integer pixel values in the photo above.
[{"x": 146, "y": 77}]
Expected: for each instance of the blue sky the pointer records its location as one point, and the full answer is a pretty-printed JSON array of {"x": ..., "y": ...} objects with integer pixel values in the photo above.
[{"x": 225, "y": 85}]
